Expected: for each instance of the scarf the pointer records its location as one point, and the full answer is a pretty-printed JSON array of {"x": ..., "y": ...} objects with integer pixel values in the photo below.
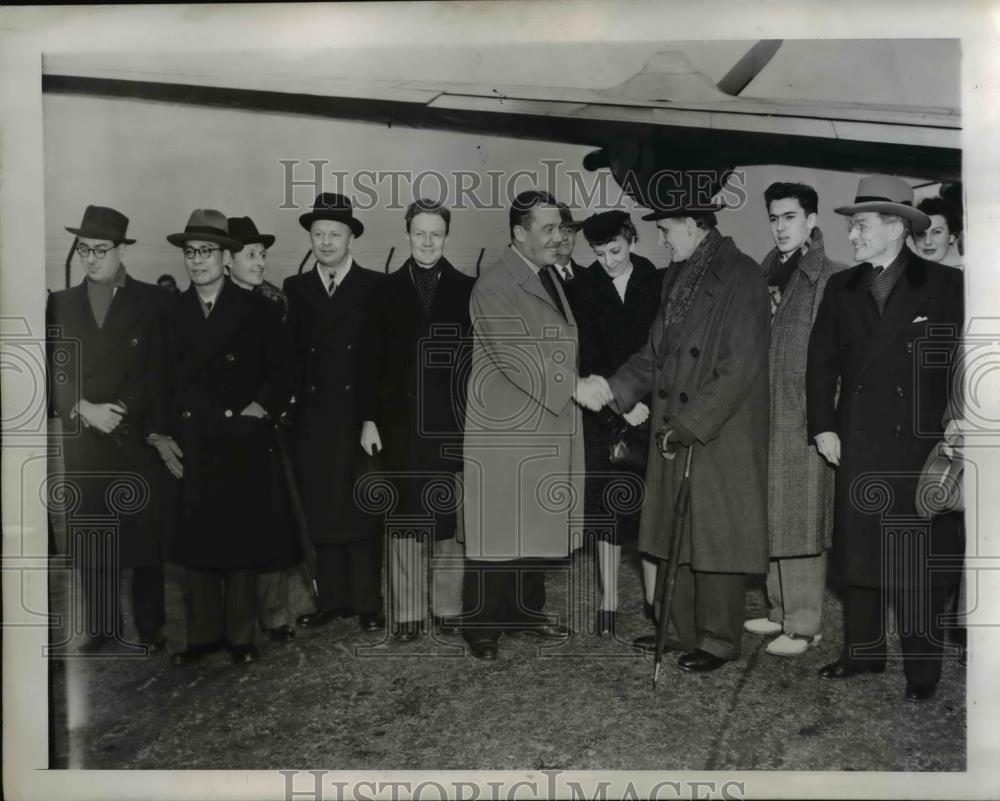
[
  {"x": 690, "y": 274},
  {"x": 425, "y": 280}
]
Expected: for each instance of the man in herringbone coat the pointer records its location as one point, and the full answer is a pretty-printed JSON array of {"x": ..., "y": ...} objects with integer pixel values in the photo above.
[{"x": 800, "y": 481}]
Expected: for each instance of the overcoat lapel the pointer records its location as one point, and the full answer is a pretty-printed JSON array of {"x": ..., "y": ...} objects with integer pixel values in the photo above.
[
  {"x": 708, "y": 293},
  {"x": 908, "y": 297},
  {"x": 529, "y": 281},
  {"x": 207, "y": 336}
]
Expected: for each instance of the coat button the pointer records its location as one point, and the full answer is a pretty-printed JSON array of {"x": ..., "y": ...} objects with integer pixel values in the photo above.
[
  {"x": 897, "y": 431},
  {"x": 312, "y": 387},
  {"x": 312, "y": 349},
  {"x": 684, "y": 397},
  {"x": 695, "y": 352},
  {"x": 909, "y": 347},
  {"x": 186, "y": 414},
  {"x": 857, "y": 389},
  {"x": 228, "y": 413},
  {"x": 662, "y": 393},
  {"x": 347, "y": 387},
  {"x": 350, "y": 347},
  {"x": 230, "y": 357},
  {"x": 899, "y": 392},
  {"x": 135, "y": 342}
]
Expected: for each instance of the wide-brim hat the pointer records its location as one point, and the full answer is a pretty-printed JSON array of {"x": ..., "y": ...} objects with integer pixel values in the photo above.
[
  {"x": 245, "y": 231},
  {"x": 684, "y": 208},
  {"x": 886, "y": 194},
  {"x": 331, "y": 206},
  {"x": 566, "y": 217},
  {"x": 206, "y": 225},
  {"x": 101, "y": 222}
]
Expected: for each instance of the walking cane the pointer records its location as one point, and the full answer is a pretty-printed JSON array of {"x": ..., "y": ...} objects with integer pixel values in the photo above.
[
  {"x": 670, "y": 581},
  {"x": 298, "y": 512}
]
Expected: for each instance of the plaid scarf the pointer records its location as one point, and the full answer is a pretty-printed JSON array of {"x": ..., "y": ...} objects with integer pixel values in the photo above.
[{"x": 690, "y": 274}]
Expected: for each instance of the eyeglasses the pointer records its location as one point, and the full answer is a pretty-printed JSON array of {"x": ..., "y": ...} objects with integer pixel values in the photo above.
[
  {"x": 204, "y": 252},
  {"x": 99, "y": 253}
]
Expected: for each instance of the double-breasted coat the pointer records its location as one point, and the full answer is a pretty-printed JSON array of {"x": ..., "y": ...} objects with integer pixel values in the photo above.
[
  {"x": 419, "y": 405},
  {"x": 115, "y": 476},
  {"x": 334, "y": 342},
  {"x": 894, "y": 374},
  {"x": 233, "y": 502},
  {"x": 709, "y": 372},
  {"x": 524, "y": 459},
  {"x": 800, "y": 481},
  {"x": 611, "y": 330}
]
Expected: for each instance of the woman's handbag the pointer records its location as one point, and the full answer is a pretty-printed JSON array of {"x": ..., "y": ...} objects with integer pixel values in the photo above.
[{"x": 628, "y": 446}]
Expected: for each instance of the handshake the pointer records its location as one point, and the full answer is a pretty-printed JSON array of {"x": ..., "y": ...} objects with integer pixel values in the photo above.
[{"x": 594, "y": 393}]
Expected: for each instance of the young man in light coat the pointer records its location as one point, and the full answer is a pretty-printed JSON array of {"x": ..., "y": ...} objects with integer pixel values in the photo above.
[{"x": 799, "y": 480}]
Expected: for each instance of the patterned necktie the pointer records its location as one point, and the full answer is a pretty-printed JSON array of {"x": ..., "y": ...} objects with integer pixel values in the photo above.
[
  {"x": 550, "y": 286},
  {"x": 880, "y": 287},
  {"x": 331, "y": 287}
]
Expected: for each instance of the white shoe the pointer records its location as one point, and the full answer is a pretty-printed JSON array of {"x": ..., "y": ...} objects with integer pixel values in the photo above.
[
  {"x": 791, "y": 645},
  {"x": 762, "y": 626}
]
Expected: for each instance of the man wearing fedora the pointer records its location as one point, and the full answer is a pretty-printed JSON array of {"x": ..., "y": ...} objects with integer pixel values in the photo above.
[
  {"x": 104, "y": 387},
  {"x": 231, "y": 376},
  {"x": 331, "y": 317},
  {"x": 247, "y": 272},
  {"x": 876, "y": 408},
  {"x": 705, "y": 365}
]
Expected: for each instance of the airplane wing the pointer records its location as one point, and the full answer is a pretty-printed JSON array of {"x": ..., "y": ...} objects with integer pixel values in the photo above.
[{"x": 667, "y": 116}]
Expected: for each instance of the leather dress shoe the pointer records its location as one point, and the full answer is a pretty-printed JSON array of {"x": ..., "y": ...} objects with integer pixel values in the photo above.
[
  {"x": 311, "y": 620},
  {"x": 549, "y": 631},
  {"x": 195, "y": 653},
  {"x": 244, "y": 654},
  {"x": 605, "y": 623},
  {"x": 282, "y": 633},
  {"x": 407, "y": 631},
  {"x": 920, "y": 692},
  {"x": 647, "y": 642},
  {"x": 443, "y": 627},
  {"x": 484, "y": 649},
  {"x": 843, "y": 669},
  {"x": 371, "y": 621},
  {"x": 699, "y": 661}
]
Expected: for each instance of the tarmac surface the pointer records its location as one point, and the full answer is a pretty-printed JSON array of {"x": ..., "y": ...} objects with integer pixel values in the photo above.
[{"x": 337, "y": 698}]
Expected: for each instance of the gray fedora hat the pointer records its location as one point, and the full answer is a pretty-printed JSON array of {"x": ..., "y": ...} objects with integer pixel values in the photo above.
[{"x": 886, "y": 194}]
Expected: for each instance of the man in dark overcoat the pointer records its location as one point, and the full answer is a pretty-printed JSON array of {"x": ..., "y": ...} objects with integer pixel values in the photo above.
[
  {"x": 800, "y": 481},
  {"x": 230, "y": 378},
  {"x": 423, "y": 329},
  {"x": 331, "y": 316},
  {"x": 705, "y": 363},
  {"x": 567, "y": 270},
  {"x": 106, "y": 378},
  {"x": 878, "y": 390}
]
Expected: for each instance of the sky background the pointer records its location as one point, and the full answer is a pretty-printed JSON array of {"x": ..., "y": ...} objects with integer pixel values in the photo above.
[{"x": 156, "y": 162}]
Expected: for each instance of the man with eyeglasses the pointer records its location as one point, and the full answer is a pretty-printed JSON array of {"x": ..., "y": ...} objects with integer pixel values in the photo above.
[
  {"x": 230, "y": 378},
  {"x": 105, "y": 368},
  {"x": 878, "y": 402}
]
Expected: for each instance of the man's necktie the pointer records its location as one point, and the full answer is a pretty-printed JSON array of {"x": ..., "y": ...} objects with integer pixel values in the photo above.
[
  {"x": 332, "y": 286},
  {"x": 550, "y": 286},
  {"x": 208, "y": 307},
  {"x": 880, "y": 287}
]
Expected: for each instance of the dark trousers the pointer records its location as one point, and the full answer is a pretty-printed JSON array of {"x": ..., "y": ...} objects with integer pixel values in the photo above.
[
  {"x": 707, "y": 610},
  {"x": 101, "y": 588},
  {"x": 221, "y": 606},
  {"x": 349, "y": 577},
  {"x": 917, "y": 617},
  {"x": 501, "y": 596}
]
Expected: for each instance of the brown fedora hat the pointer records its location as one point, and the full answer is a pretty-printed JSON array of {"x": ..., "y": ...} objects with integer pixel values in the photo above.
[
  {"x": 244, "y": 230},
  {"x": 101, "y": 222},
  {"x": 206, "y": 225},
  {"x": 886, "y": 194},
  {"x": 331, "y": 206}
]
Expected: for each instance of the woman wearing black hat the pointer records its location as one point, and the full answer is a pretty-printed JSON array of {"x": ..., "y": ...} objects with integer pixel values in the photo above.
[{"x": 623, "y": 297}]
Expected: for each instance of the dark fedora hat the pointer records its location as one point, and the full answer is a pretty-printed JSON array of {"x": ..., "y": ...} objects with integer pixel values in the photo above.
[
  {"x": 206, "y": 225},
  {"x": 244, "y": 230},
  {"x": 100, "y": 222},
  {"x": 331, "y": 206},
  {"x": 566, "y": 217},
  {"x": 886, "y": 194}
]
